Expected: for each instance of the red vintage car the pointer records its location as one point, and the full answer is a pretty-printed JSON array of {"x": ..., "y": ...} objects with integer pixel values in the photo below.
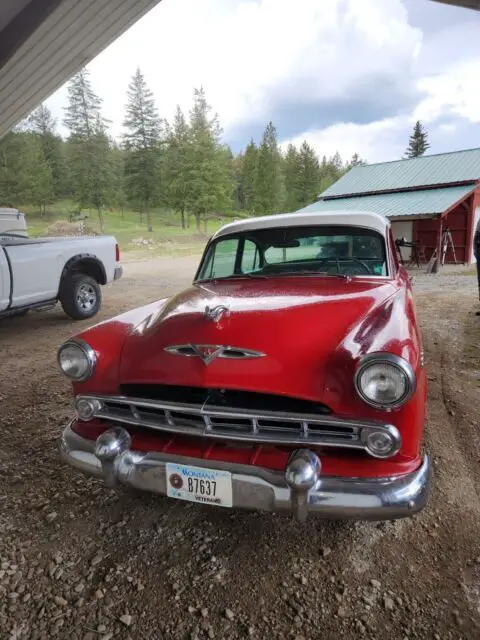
[{"x": 289, "y": 377}]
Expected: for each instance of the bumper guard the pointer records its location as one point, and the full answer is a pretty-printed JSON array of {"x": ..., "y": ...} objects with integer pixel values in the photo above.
[{"x": 301, "y": 490}]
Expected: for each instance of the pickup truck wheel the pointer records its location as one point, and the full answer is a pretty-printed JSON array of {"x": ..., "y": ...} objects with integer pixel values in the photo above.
[{"x": 80, "y": 296}]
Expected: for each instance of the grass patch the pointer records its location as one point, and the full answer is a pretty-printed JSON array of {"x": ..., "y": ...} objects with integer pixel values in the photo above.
[{"x": 130, "y": 230}]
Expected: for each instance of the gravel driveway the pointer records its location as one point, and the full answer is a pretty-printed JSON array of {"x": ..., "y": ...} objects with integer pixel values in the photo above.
[{"x": 82, "y": 562}]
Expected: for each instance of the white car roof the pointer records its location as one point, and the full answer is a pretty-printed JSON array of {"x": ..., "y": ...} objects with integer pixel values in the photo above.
[{"x": 365, "y": 219}]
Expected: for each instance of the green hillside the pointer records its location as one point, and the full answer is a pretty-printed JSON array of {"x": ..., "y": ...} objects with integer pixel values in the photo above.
[{"x": 128, "y": 227}]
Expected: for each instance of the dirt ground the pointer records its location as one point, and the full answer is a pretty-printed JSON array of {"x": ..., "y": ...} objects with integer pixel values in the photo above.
[{"x": 82, "y": 562}]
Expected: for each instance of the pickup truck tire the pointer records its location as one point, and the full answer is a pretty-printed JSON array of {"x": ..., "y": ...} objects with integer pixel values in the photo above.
[{"x": 80, "y": 296}]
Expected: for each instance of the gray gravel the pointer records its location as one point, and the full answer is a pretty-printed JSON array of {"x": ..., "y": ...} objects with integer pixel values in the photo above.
[
  {"x": 452, "y": 279},
  {"x": 82, "y": 562}
]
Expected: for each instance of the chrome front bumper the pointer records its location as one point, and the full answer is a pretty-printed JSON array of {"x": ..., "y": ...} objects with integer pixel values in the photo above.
[{"x": 301, "y": 490}]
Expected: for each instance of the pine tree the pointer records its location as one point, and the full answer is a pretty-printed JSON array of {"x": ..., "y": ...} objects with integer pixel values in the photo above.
[
  {"x": 292, "y": 179},
  {"x": 248, "y": 177},
  {"x": 269, "y": 193},
  {"x": 331, "y": 170},
  {"x": 37, "y": 186},
  {"x": 237, "y": 167},
  {"x": 418, "y": 142},
  {"x": 142, "y": 144},
  {"x": 230, "y": 169},
  {"x": 84, "y": 107},
  {"x": 336, "y": 162},
  {"x": 117, "y": 196},
  {"x": 210, "y": 185},
  {"x": 177, "y": 166},
  {"x": 10, "y": 154},
  {"x": 89, "y": 146},
  {"x": 25, "y": 177},
  {"x": 42, "y": 122},
  {"x": 309, "y": 174},
  {"x": 356, "y": 161}
]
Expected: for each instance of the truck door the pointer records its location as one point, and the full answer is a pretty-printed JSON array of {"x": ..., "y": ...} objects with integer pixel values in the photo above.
[
  {"x": 36, "y": 269},
  {"x": 4, "y": 281}
]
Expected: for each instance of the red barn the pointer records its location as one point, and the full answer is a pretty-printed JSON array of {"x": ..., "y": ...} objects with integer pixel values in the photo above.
[{"x": 421, "y": 196}]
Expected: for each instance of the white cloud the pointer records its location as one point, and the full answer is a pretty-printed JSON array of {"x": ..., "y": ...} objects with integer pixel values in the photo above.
[
  {"x": 242, "y": 51},
  {"x": 252, "y": 55},
  {"x": 375, "y": 142},
  {"x": 456, "y": 91},
  {"x": 445, "y": 65}
]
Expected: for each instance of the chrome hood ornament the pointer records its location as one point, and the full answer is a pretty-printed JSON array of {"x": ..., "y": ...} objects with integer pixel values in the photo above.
[
  {"x": 216, "y": 313},
  {"x": 209, "y": 352}
]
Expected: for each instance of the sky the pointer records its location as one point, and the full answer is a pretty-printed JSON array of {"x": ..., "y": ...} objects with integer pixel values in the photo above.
[{"x": 345, "y": 75}]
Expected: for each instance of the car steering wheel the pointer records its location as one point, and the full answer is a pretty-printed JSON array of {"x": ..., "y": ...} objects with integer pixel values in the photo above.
[{"x": 358, "y": 261}]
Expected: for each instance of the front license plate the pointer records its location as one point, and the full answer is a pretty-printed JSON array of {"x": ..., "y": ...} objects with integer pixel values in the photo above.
[{"x": 198, "y": 484}]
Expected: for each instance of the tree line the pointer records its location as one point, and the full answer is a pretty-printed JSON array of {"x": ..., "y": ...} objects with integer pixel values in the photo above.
[{"x": 181, "y": 165}]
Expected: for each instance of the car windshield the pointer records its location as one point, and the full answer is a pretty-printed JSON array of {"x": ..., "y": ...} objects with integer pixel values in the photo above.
[{"x": 336, "y": 251}]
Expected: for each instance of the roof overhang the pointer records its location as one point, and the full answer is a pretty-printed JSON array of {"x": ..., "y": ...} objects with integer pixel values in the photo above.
[
  {"x": 406, "y": 205},
  {"x": 43, "y": 43},
  {"x": 425, "y": 216},
  {"x": 468, "y": 4}
]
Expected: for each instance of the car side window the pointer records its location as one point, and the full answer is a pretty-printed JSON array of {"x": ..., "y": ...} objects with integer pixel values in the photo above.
[
  {"x": 220, "y": 262},
  {"x": 250, "y": 257}
]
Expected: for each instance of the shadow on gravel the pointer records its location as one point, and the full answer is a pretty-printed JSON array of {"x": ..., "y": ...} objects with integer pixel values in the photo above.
[{"x": 12, "y": 325}]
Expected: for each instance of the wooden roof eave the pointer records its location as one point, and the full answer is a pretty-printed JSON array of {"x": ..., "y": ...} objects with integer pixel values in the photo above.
[{"x": 458, "y": 202}]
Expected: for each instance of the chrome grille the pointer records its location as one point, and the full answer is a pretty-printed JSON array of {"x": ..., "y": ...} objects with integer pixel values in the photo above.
[
  {"x": 223, "y": 398},
  {"x": 234, "y": 424}
]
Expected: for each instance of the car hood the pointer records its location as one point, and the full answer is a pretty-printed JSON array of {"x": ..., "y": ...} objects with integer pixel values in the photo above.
[{"x": 295, "y": 323}]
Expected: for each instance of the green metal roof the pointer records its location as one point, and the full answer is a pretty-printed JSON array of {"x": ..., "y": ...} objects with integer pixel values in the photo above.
[
  {"x": 445, "y": 168},
  {"x": 408, "y": 203}
]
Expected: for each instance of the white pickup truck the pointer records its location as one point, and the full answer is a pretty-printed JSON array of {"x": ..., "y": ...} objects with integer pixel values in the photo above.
[{"x": 35, "y": 274}]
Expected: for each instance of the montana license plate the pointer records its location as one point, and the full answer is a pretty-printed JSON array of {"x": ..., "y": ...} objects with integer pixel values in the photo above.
[{"x": 198, "y": 484}]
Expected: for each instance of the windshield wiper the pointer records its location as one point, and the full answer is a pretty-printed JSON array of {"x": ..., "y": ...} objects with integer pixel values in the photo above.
[
  {"x": 252, "y": 275},
  {"x": 263, "y": 276},
  {"x": 235, "y": 276},
  {"x": 313, "y": 273}
]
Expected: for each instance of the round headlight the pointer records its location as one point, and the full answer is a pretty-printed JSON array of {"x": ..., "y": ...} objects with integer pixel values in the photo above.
[
  {"x": 385, "y": 381},
  {"x": 77, "y": 360}
]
